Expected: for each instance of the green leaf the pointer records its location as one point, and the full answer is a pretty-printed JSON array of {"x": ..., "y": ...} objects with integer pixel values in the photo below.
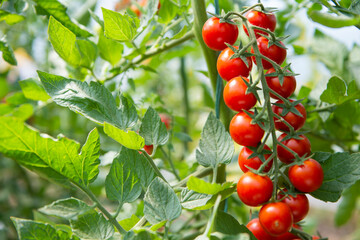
[
  {"x": 216, "y": 145},
  {"x": 152, "y": 129},
  {"x": 341, "y": 170},
  {"x": 109, "y": 49},
  {"x": 129, "y": 139},
  {"x": 10, "y": 18},
  {"x": 93, "y": 101},
  {"x": 57, "y": 159},
  {"x": 142, "y": 167},
  {"x": 161, "y": 202},
  {"x": 168, "y": 11},
  {"x": 58, "y": 11},
  {"x": 23, "y": 112},
  {"x": 33, "y": 90},
  {"x": 129, "y": 223},
  {"x": 333, "y": 21},
  {"x": 92, "y": 225},
  {"x": 118, "y": 26},
  {"x": 338, "y": 93},
  {"x": 122, "y": 183},
  {"x": 347, "y": 205},
  {"x": 227, "y": 224},
  {"x": 151, "y": 8},
  {"x": 31, "y": 230},
  {"x": 7, "y": 52},
  {"x": 194, "y": 200},
  {"x": 73, "y": 51},
  {"x": 200, "y": 186},
  {"x": 354, "y": 63},
  {"x": 68, "y": 208}
]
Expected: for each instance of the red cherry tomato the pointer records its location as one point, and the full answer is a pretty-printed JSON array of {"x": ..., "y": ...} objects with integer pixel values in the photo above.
[
  {"x": 255, "y": 162},
  {"x": 294, "y": 120},
  {"x": 166, "y": 120},
  {"x": 149, "y": 149},
  {"x": 253, "y": 189},
  {"x": 301, "y": 146},
  {"x": 235, "y": 96},
  {"x": 275, "y": 53},
  {"x": 243, "y": 132},
  {"x": 288, "y": 235},
  {"x": 286, "y": 89},
  {"x": 230, "y": 68},
  {"x": 307, "y": 177},
  {"x": 276, "y": 218},
  {"x": 298, "y": 204},
  {"x": 315, "y": 237},
  {"x": 260, "y": 19},
  {"x": 216, "y": 34},
  {"x": 255, "y": 227}
]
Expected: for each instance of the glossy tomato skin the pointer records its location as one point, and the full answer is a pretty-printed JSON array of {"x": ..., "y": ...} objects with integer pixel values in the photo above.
[
  {"x": 276, "y": 218},
  {"x": 294, "y": 120},
  {"x": 255, "y": 227},
  {"x": 275, "y": 53},
  {"x": 307, "y": 177},
  {"x": 230, "y": 68},
  {"x": 298, "y": 204},
  {"x": 149, "y": 149},
  {"x": 216, "y": 34},
  {"x": 243, "y": 132},
  {"x": 301, "y": 146},
  {"x": 254, "y": 190},
  {"x": 235, "y": 96},
  {"x": 255, "y": 162},
  {"x": 260, "y": 19},
  {"x": 286, "y": 89}
]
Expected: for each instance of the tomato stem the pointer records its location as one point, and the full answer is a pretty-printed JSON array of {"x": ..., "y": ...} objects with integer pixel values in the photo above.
[{"x": 151, "y": 162}]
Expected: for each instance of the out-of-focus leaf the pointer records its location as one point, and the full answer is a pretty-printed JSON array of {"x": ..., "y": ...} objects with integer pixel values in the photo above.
[
  {"x": 333, "y": 21},
  {"x": 227, "y": 224},
  {"x": 109, "y": 49},
  {"x": 201, "y": 186},
  {"x": 33, "y": 90},
  {"x": 7, "y": 52},
  {"x": 129, "y": 223},
  {"x": 167, "y": 11},
  {"x": 10, "y": 18},
  {"x": 58, "y": 11},
  {"x": 337, "y": 92},
  {"x": 347, "y": 205}
]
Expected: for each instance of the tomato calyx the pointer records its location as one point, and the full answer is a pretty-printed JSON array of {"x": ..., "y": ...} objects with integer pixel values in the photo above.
[
  {"x": 289, "y": 106},
  {"x": 240, "y": 52},
  {"x": 281, "y": 73},
  {"x": 223, "y": 18},
  {"x": 256, "y": 118}
]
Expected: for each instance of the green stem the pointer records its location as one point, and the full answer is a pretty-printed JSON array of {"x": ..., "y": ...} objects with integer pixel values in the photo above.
[
  {"x": 323, "y": 109},
  {"x": 211, "y": 221},
  {"x": 167, "y": 225},
  {"x": 118, "y": 210},
  {"x": 151, "y": 162},
  {"x": 170, "y": 162},
  {"x": 149, "y": 54},
  {"x": 267, "y": 103},
  {"x": 102, "y": 209},
  {"x": 140, "y": 223},
  {"x": 215, "y": 174},
  {"x": 185, "y": 86}
]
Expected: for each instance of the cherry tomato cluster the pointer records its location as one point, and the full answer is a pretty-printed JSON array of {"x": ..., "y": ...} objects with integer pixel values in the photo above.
[{"x": 281, "y": 210}]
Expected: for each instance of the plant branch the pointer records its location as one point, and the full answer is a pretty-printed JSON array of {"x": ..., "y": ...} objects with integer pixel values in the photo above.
[
  {"x": 199, "y": 173},
  {"x": 170, "y": 162},
  {"x": 151, "y": 162}
]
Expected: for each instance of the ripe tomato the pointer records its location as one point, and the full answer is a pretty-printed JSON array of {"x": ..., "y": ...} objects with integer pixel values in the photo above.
[
  {"x": 235, "y": 96},
  {"x": 243, "y": 132},
  {"x": 254, "y": 162},
  {"x": 166, "y": 120},
  {"x": 294, "y": 120},
  {"x": 315, "y": 237},
  {"x": 288, "y": 235},
  {"x": 149, "y": 149},
  {"x": 286, "y": 89},
  {"x": 216, "y": 34},
  {"x": 260, "y": 19},
  {"x": 275, "y": 53},
  {"x": 276, "y": 218},
  {"x": 253, "y": 189},
  {"x": 301, "y": 146},
  {"x": 255, "y": 227},
  {"x": 307, "y": 177},
  {"x": 230, "y": 68},
  {"x": 299, "y": 205},
  {"x": 142, "y": 3}
]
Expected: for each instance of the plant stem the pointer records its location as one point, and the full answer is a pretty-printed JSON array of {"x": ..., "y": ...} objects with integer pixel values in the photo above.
[
  {"x": 215, "y": 174},
  {"x": 170, "y": 162},
  {"x": 93, "y": 198},
  {"x": 199, "y": 173},
  {"x": 150, "y": 160},
  {"x": 148, "y": 54},
  {"x": 267, "y": 103},
  {"x": 185, "y": 86},
  {"x": 166, "y": 230},
  {"x": 323, "y": 109},
  {"x": 211, "y": 221},
  {"x": 118, "y": 210},
  {"x": 140, "y": 223}
]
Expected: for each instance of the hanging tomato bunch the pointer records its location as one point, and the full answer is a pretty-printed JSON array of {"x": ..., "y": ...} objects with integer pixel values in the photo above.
[{"x": 283, "y": 204}]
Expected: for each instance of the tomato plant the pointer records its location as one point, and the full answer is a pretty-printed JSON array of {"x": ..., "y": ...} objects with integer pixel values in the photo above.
[{"x": 119, "y": 119}]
